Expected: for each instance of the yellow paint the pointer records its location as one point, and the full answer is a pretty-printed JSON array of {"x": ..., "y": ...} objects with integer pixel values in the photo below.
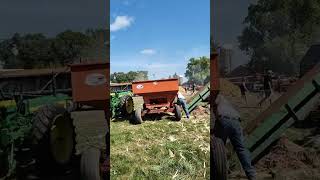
[{"x": 7, "y": 103}]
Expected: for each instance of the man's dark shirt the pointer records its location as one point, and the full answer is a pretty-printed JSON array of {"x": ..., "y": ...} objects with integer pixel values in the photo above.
[{"x": 266, "y": 82}]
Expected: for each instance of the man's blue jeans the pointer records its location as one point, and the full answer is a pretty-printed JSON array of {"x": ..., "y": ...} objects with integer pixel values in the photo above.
[
  {"x": 183, "y": 103},
  {"x": 231, "y": 128}
]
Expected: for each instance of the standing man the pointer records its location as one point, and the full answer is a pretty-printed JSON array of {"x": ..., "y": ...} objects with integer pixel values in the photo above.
[
  {"x": 186, "y": 89},
  {"x": 228, "y": 125},
  {"x": 267, "y": 86},
  {"x": 244, "y": 89},
  {"x": 182, "y": 101},
  {"x": 193, "y": 88}
]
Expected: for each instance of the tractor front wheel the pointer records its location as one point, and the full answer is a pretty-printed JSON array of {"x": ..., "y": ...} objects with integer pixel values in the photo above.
[
  {"x": 137, "y": 116},
  {"x": 177, "y": 112}
]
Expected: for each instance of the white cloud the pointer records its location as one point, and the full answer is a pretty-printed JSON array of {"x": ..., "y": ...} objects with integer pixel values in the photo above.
[
  {"x": 148, "y": 51},
  {"x": 121, "y": 22}
]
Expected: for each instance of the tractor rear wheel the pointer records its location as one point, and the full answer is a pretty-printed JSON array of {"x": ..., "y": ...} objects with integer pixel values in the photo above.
[
  {"x": 90, "y": 165},
  {"x": 137, "y": 116},
  {"x": 126, "y": 104},
  {"x": 218, "y": 159},
  {"x": 177, "y": 112},
  {"x": 54, "y": 139}
]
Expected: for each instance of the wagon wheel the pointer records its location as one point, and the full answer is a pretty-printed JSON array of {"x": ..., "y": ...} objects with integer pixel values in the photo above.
[
  {"x": 218, "y": 158},
  {"x": 54, "y": 139},
  {"x": 126, "y": 103},
  {"x": 137, "y": 116},
  {"x": 177, "y": 112},
  {"x": 90, "y": 165}
]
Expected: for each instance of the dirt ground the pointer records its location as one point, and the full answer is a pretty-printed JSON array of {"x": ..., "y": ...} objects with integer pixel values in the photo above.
[{"x": 295, "y": 156}]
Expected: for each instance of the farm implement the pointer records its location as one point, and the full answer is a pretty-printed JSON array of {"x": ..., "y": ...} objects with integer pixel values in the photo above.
[
  {"x": 37, "y": 132},
  {"x": 121, "y": 100},
  {"x": 155, "y": 97}
]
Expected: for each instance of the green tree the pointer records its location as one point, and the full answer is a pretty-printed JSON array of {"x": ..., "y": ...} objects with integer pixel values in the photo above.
[
  {"x": 175, "y": 76},
  {"x": 34, "y": 51},
  {"x": 99, "y": 47},
  {"x": 37, "y": 51},
  {"x": 28, "y": 51},
  {"x": 198, "y": 70},
  {"x": 68, "y": 46},
  {"x": 121, "y": 77},
  {"x": 278, "y": 32}
]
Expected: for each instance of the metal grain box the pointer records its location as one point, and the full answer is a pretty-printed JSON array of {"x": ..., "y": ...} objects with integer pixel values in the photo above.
[
  {"x": 90, "y": 83},
  {"x": 155, "y": 86},
  {"x": 157, "y": 93}
]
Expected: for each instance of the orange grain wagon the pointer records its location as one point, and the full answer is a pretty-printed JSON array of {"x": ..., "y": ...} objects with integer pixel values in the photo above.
[
  {"x": 158, "y": 97},
  {"x": 90, "y": 84}
]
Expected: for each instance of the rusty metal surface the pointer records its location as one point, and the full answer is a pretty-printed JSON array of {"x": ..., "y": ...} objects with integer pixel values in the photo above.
[
  {"x": 157, "y": 94},
  {"x": 90, "y": 82},
  {"x": 156, "y": 86},
  {"x": 214, "y": 72},
  {"x": 214, "y": 86}
]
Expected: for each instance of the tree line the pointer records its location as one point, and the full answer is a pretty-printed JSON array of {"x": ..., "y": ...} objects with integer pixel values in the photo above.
[
  {"x": 35, "y": 50},
  {"x": 277, "y": 33}
]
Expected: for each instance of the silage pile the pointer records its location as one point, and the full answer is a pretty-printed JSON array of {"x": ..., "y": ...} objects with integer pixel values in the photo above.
[
  {"x": 202, "y": 109},
  {"x": 286, "y": 154}
]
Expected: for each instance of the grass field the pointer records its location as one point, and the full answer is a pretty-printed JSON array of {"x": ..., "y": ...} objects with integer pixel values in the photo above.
[{"x": 161, "y": 149}]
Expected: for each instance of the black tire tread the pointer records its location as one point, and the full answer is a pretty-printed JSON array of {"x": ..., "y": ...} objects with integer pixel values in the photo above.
[
  {"x": 122, "y": 104},
  {"x": 42, "y": 123},
  {"x": 177, "y": 112},
  {"x": 90, "y": 164},
  {"x": 218, "y": 159},
  {"x": 137, "y": 116}
]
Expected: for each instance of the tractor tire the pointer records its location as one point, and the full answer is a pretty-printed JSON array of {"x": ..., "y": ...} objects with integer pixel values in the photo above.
[
  {"x": 126, "y": 104},
  {"x": 90, "y": 165},
  {"x": 54, "y": 139},
  {"x": 218, "y": 159},
  {"x": 177, "y": 112},
  {"x": 137, "y": 116}
]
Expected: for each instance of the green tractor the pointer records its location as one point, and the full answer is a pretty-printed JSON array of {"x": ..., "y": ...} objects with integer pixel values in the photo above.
[
  {"x": 35, "y": 137},
  {"x": 121, "y": 104}
]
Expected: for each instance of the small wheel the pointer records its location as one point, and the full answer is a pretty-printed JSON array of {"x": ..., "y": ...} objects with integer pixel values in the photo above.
[
  {"x": 137, "y": 116},
  {"x": 177, "y": 112},
  {"x": 90, "y": 165},
  {"x": 218, "y": 160}
]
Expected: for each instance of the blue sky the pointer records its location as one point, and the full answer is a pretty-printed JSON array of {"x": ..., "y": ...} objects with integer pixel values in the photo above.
[{"x": 159, "y": 36}]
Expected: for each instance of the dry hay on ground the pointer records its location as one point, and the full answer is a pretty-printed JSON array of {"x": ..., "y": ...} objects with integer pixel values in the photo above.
[{"x": 286, "y": 154}]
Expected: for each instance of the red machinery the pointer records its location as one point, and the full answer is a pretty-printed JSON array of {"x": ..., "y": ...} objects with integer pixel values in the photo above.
[
  {"x": 218, "y": 157},
  {"x": 90, "y": 87},
  {"x": 158, "y": 97}
]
